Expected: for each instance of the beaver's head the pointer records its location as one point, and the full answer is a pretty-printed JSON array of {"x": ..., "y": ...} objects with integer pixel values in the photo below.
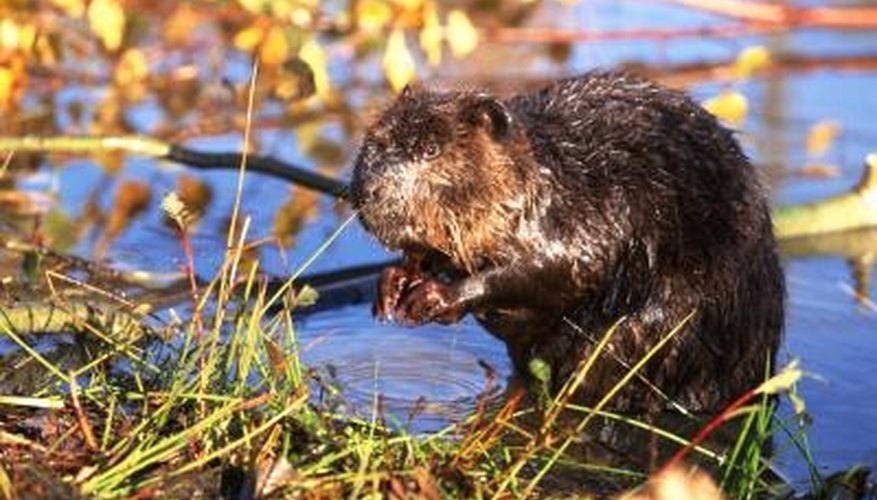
[{"x": 436, "y": 171}]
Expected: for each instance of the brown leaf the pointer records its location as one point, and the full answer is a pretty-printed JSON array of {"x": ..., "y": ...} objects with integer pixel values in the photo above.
[
  {"x": 821, "y": 136},
  {"x": 181, "y": 25},
  {"x": 132, "y": 198}
]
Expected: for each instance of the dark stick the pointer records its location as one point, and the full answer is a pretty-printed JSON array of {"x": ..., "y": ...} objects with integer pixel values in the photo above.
[{"x": 263, "y": 164}]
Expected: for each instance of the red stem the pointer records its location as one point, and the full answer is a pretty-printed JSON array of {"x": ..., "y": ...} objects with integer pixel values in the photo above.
[{"x": 709, "y": 428}]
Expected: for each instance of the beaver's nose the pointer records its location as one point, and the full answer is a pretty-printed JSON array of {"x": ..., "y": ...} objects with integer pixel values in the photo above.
[{"x": 365, "y": 193}]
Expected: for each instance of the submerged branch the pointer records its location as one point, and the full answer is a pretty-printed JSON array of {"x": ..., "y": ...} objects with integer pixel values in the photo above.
[{"x": 156, "y": 148}]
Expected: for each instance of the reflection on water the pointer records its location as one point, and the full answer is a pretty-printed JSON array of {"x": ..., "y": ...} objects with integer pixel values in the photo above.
[{"x": 422, "y": 378}]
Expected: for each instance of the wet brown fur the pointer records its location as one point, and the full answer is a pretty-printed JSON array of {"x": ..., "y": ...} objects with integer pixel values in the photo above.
[{"x": 550, "y": 215}]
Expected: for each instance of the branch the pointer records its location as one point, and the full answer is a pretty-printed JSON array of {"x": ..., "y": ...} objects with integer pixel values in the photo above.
[
  {"x": 855, "y": 209},
  {"x": 149, "y": 146},
  {"x": 787, "y": 16}
]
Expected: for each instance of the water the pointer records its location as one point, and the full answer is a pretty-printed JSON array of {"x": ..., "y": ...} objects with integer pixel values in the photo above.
[{"x": 440, "y": 372}]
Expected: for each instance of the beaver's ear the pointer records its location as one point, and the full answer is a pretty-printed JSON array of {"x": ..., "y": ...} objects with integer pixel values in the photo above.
[
  {"x": 408, "y": 90},
  {"x": 489, "y": 111}
]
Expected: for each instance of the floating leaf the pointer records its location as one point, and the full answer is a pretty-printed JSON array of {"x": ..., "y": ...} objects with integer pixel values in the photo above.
[
  {"x": 730, "y": 106},
  {"x": 820, "y": 171},
  {"x": 315, "y": 57},
  {"x": 131, "y": 199},
  {"x": 821, "y": 136},
  {"x": 461, "y": 33},
  {"x": 431, "y": 34},
  {"x": 107, "y": 20},
  {"x": 398, "y": 62},
  {"x": 373, "y": 15},
  {"x": 751, "y": 60}
]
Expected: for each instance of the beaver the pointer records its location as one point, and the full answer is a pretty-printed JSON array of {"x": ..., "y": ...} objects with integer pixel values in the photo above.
[{"x": 599, "y": 201}]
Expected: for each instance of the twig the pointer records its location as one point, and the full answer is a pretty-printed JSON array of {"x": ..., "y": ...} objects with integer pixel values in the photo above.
[
  {"x": 518, "y": 35},
  {"x": 787, "y": 16},
  {"x": 84, "y": 424},
  {"x": 150, "y": 146}
]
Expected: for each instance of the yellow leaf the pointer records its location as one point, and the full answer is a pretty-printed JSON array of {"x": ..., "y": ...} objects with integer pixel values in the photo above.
[
  {"x": 751, "y": 60},
  {"x": 249, "y": 38},
  {"x": 7, "y": 83},
  {"x": 73, "y": 8},
  {"x": 398, "y": 62},
  {"x": 871, "y": 160},
  {"x": 730, "y": 106},
  {"x": 431, "y": 34},
  {"x": 107, "y": 20},
  {"x": 274, "y": 49},
  {"x": 373, "y": 15},
  {"x": 132, "y": 68},
  {"x": 314, "y": 55},
  {"x": 783, "y": 381},
  {"x": 16, "y": 36},
  {"x": 13, "y": 80},
  {"x": 462, "y": 36},
  {"x": 821, "y": 136}
]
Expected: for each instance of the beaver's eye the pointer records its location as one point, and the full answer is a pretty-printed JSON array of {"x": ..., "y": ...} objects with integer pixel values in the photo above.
[{"x": 430, "y": 151}]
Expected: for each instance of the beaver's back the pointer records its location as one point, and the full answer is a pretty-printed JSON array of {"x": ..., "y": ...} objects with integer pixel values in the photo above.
[{"x": 645, "y": 183}]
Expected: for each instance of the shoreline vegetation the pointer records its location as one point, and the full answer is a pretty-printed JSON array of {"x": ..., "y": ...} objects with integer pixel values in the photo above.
[
  {"x": 173, "y": 385},
  {"x": 221, "y": 404}
]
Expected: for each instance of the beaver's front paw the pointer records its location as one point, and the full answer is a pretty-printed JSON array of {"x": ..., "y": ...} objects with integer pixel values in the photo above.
[
  {"x": 393, "y": 282},
  {"x": 430, "y": 300}
]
